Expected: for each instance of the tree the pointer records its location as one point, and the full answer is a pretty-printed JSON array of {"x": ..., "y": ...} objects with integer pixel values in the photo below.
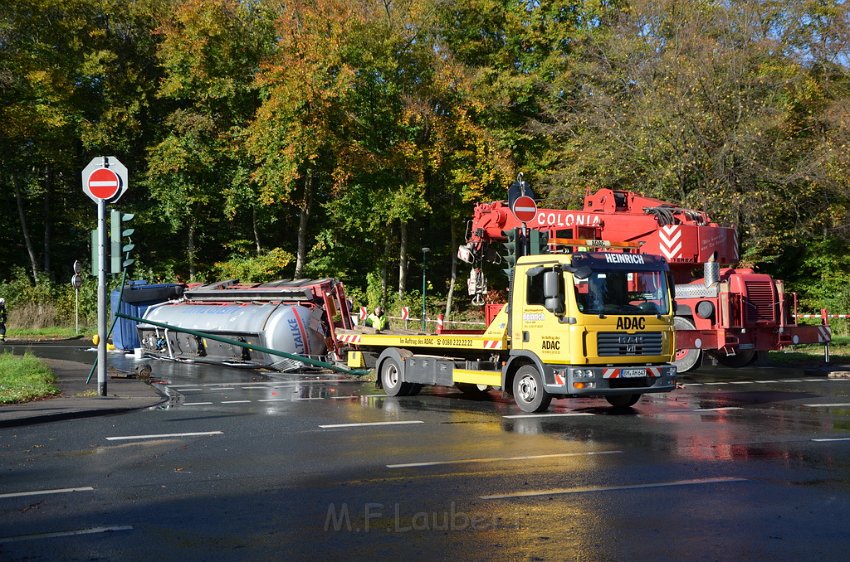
[{"x": 210, "y": 52}]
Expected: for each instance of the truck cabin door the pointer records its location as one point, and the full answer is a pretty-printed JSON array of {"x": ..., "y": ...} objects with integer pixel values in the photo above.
[{"x": 542, "y": 303}]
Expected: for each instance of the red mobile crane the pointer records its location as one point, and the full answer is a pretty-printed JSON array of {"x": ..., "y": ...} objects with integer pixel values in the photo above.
[{"x": 730, "y": 313}]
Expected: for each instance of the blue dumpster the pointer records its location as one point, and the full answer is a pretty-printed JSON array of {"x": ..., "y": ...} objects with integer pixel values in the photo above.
[{"x": 138, "y": 296}]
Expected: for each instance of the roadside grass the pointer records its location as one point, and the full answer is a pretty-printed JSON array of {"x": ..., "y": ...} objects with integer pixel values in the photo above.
[
  {"x": 23, "y": 379},
  {"x": 839, "y": 353},
  {"x": 44, "y": 334}
]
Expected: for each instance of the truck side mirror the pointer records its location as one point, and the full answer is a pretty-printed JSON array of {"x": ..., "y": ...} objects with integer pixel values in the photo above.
[{"x": 552, "y": 293}]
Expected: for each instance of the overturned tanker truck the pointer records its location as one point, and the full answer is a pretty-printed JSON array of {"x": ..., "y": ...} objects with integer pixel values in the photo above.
[{"x": 298, "y": 317}]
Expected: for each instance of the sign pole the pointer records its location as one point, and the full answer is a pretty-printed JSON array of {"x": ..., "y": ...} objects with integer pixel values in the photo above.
[{"x": 101, "y": 297}]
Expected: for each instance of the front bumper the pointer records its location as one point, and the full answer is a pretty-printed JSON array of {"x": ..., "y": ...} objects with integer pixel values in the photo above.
[{"x": 568, "y": 380}]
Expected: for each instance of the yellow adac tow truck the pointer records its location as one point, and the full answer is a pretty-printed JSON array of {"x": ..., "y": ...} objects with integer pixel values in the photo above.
[{"x": 576, "y": 324}]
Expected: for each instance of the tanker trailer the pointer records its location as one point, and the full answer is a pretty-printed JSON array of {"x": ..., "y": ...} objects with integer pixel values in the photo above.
[{"x": 296, "y": 317}]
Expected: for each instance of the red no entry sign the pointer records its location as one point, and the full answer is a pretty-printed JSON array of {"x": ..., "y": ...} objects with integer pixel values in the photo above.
[
  {"x": 105, "y": 179},
  {"x": 525, "y": 209},
  {"x": 104, "y": 183}
]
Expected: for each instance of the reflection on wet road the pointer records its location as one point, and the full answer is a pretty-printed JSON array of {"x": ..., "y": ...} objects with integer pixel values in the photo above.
[{"x": 747, "y": 464}]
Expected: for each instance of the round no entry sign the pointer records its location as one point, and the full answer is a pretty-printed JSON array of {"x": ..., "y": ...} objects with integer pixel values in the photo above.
[
  {"x": 104, "y": 183},
  {"x": 525, "y": 209},
  {"x": 105, "y": 179}
]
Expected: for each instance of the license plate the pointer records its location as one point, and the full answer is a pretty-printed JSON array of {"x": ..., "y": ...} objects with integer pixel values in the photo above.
[{"x": 632, "y": 373}]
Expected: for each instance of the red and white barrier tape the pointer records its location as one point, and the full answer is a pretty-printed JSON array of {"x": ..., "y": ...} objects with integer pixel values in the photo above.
[{"x": 820, "y": 316}]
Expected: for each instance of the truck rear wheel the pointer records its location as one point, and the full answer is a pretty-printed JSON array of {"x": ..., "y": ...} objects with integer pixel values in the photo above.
[
  {"x": 686, "y": 359},
  {"x": 742, "y": 358},
  {"x": 391, "y": 379},
  {"x": 529, "y": 393},
  {"x": 623, "y": 400}
]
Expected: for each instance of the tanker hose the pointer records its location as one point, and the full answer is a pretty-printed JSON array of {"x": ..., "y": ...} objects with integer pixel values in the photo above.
[{"x": 250, "y": 347}]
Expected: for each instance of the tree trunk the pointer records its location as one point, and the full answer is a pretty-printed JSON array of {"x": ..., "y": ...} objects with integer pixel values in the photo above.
[
  {"x": 385, "y": 270},
  {"x": 402, "y": 261},
  {"x": 303, "y": 223},
  {"x": 256, "y": 230},
  {"x": 190, "y": 249},
  {"x": 19, "y": 200},
  {"x": 453, "y": 236},
  {"x": 48, "y": 200}
]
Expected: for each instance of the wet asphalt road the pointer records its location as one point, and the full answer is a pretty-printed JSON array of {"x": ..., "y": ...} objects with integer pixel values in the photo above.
[{"x": 749, "y": 464}]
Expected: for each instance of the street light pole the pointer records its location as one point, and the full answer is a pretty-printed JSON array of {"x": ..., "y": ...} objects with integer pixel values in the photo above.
[{"x": 424, "y": 285}]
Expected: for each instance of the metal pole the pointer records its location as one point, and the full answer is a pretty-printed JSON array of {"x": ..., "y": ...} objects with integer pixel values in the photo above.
[
  {"x": 76, "y": 311},
  {"x": 424, "y": 285},
  {"x": 101, "y": 297}
]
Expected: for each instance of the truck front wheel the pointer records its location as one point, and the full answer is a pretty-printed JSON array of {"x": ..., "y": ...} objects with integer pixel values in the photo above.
[
  {"x": 529, "y": 393},
  {"x": 391, "y": 379},
  {"x": 623, "y": 400}
]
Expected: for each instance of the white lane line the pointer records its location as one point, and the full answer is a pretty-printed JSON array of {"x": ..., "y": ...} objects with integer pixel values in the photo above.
[
  {"x": 165, "y": 435},
  {"x": 501, "y": 459},
  {"x": 223, "y": 388},
  {"x": 343, "y": 397},
  {"x": 724, "y": 409},
  {"x": 188, "y": 389},
  {"x": 587, "y": 489},
  {"x": 693, "y": 384},
  {"x": 741, "y": 382},
  {"x": 235, "y": 401},
  {"x": 832, "y": 439},
  {"x": 45, "y": 492},
  {"x": 836, "y": 405},
  {"x": 715, "y": 383},
  {"x": 571, "y": 414},
  {"x": 792, "y": 380},
  {"x": 369, "y": 424},
  {"x": 196, "y": 404},
  {"x": 309, "y": 398},
  {"x": 766, "y": 382},
  {"x": 275, "y": 400},
  {"x": 92, "y": 531},
  {"x": 255, "y": 387}
]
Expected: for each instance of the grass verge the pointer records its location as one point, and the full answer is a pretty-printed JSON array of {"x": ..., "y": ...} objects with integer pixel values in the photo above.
[
  {"x": 23, "y": 379},
  {"x": 839, "y": 353},
  {"x": 42, "y": 334}
]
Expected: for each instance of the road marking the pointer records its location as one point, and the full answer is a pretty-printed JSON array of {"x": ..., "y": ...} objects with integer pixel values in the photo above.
[
  {"x": 255, "y": 387},
  {"x": 500, "y": 459},
  {"x": 310, "y": 398},
  {"x": 571, "y": 414},
  {"x": 275, "y": 400},
  {"x": 343, "y": 397},
  {"x": 693, "y": 384},
  {"x": 766, "y": 382},
  {"x": 368, "y": 424},
  {"x": 741, "y": 382},
  {"x": 45, "y": 492},
  {"x": 793, "y": 380},
  {"x": 196, "y": 404},
  {"x": 715, "y": 383},
  {"x": 588, "y": 489},
  {"x": 92, "y": 531},
  {"x": 235, "y": 401},
  {"x": 165, "y": 435},
  {"x": 223, "y": 388},
  {"x": 188, "y": 389},
  {"x": 836, "y": 405},
  {"x": 832, "y": 439},
  {"x": 724, "y": 409}
]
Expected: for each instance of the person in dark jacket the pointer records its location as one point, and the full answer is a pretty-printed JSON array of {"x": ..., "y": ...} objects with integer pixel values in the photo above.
[{"x": 2, "y": 320}]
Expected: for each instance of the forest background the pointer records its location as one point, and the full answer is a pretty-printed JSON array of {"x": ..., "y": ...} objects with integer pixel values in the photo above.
[{"x": 270, "y": 139}]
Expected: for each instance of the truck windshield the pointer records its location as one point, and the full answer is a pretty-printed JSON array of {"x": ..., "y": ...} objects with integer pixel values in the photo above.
[{"x": 623, "y": 292}]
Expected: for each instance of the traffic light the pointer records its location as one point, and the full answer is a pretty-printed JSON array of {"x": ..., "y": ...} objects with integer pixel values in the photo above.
[
  {"x": 515, "y": 246},
  {"x": 538, "y": 242},
  {"x": 120, "y": 252}
]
